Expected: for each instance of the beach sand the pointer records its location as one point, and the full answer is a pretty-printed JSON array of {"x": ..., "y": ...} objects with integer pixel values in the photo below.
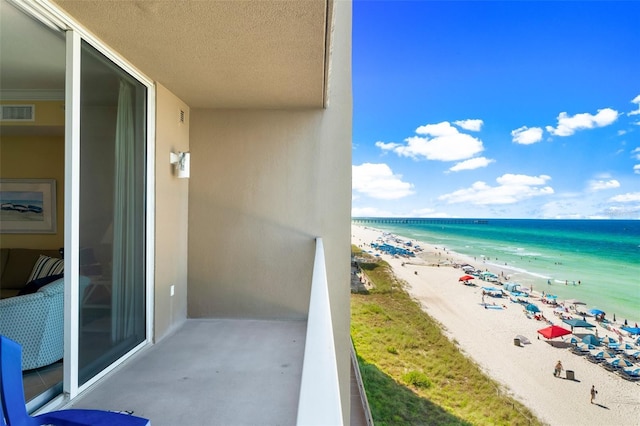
[{"x": 487, "y": 336}]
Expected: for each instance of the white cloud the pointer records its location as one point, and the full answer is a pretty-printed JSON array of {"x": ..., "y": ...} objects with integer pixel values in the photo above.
[
  {"x": 473, "y": 125},
  {"x": 517, "y": 180},
  {"x": 527, "y": 136},
  {"x": 511, "y": 189},
  {"x": 370, "y": 212},
  {"x": 636, "y": 169},
  {"x": 630, "y": 212},
  {"x": 386, "y": 146},
  {"x": 376, "y": 212},
  {"x": 622, "y": 132},
  {"x": 567, "y": 125},
  {"x": 629, "y": 197},
  {"x": 636, "y": 153},
  {"x": 635, "y": 100},
  {"x": 378, "y": 181},
  {"x": 440, "y": 129},
  {"x": 472, "y": 163},
  {"x": 598, "y": 185},
  {"x": 441, "y": 142}
]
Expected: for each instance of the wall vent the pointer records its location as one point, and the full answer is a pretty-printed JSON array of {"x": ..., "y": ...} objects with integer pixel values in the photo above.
[
  {"x": 181, "y": 117},
  {"x": 17, "y": 112}
]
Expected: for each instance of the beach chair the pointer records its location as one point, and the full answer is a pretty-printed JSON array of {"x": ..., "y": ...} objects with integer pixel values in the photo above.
[
  {"x": 599, "y": 356},
  {"x": 14, "y": 411},
  {"x": 581, "y": 349},
  {"x": 632, "y": 354}
]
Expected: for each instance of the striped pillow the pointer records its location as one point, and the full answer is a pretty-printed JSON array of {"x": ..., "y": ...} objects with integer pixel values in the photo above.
[{"x": 46, "y": 266}]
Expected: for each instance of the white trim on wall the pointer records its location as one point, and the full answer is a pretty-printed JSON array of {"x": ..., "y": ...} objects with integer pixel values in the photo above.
[
  {"x": 151, "y": 215},
  {"x": 71, "y": 215}
]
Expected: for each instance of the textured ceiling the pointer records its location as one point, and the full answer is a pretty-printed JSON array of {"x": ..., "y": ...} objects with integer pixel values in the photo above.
[{"x": 219, "y": 54}]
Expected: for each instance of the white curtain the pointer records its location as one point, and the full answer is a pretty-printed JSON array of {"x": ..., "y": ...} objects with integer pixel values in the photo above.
[{"x": 125, "y": 268}]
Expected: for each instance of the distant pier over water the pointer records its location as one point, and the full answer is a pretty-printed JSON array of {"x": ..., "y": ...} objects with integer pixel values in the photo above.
[{"x": 417, "y": 221}]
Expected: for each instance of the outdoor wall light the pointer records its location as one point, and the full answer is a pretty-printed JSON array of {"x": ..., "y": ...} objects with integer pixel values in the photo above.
[{"x": 181, "y": 162}]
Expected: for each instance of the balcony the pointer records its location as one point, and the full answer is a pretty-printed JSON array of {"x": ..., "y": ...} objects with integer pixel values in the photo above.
[
  {"x": 234, "y": 371},
  {"x": 208, "y": 372}
]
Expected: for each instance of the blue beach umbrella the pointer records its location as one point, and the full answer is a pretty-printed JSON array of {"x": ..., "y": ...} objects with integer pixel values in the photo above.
[
  {"x": 532, "y": 308},
  {"x": 590, "y": 339},
  {"x": 632, "y": 330},
  {"x": 596, "y": 312}
]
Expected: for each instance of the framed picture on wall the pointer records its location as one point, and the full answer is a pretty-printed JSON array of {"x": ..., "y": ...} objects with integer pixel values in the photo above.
[{"x": 27, "y": 206}]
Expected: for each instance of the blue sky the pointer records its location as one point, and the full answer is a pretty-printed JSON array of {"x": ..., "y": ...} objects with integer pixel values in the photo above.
[{"x": 496, "y": 109}]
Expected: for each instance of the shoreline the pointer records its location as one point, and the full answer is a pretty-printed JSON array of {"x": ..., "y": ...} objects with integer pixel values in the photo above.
[
  {"x": 486, "y": 332},
  {"x": 566, "y": 274}
]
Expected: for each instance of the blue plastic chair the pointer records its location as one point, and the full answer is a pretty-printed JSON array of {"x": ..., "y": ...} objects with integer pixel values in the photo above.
[{"x": 14, "y": 410}]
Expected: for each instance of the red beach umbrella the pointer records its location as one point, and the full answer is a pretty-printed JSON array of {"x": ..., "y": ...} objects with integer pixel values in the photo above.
[
  {"x": 553, "y": 331},
  {"x": 466, "y": 278}
]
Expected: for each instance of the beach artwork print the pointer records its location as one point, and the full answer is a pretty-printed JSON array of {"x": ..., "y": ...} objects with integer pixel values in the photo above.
[{"x": 27, "y": 206}]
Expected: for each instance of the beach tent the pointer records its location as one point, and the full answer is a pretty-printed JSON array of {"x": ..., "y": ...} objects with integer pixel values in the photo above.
[
  {"x": 466, "y": 278},
  {"x": 577, "y": 323},
  {"x": 511, "y": 286},
  {"x": 523, "y": 339},
  {"x": 553, "y": 331},
  {"x": 590, "y": 339}
]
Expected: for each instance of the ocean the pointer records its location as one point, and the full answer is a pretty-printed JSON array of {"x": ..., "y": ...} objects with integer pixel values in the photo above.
[{"x": 595, "y": 261}]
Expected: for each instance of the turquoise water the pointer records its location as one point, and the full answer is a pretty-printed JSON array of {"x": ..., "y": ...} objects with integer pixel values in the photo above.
[{"x": 596, "y": 261}]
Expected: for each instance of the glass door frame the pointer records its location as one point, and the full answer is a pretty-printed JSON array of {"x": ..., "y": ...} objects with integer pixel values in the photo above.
[{"x": 53, "y": 17}]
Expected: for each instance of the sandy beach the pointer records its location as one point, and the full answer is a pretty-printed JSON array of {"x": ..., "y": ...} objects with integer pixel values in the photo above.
[{"x": 486, "y": 334}]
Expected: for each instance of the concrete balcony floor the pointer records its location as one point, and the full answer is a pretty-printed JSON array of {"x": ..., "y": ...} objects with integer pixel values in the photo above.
[{"x": 210, "y": 372}]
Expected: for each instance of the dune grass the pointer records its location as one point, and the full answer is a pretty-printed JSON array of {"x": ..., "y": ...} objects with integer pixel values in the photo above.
[{"x": 412, "y": 373}]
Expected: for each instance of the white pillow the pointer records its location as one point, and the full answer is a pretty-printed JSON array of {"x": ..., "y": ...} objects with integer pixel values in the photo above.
[{"x": 46, "y": 266}]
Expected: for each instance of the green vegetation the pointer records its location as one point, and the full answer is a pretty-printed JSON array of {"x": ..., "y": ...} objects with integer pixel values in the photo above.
[{"x": 412, "y": 373}]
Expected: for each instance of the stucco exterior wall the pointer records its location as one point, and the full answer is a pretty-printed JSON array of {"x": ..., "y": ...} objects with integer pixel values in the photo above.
[
  {"x": 263, "y": 185},
  {"x": 172, "y": 207}
]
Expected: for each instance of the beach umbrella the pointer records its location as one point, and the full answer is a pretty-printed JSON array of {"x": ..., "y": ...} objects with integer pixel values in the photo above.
[
  {"x": 466, "y": 278},
  {"x": 595, "y": 312},
  {"x": 632, "y": 330},
  {"x": 553, "y": 331},
  {"x": 532, "y": 308},
  {"x": 590, "y": 339},
  {"x": 572, "y": 340}
]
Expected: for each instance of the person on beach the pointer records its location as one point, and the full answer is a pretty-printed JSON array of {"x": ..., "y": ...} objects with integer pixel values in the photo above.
[
  {"x": 558, "y": 369},
  {"x": 594, "y": 392}
]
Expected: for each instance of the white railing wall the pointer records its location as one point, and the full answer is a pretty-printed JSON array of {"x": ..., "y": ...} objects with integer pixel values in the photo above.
[{"x": 319, "y": 402}]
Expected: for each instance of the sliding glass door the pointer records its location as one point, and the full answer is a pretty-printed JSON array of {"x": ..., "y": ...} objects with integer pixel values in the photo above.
[
  {"x": 112, "y": 213},
  {"x": 96, "y": 147}
]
